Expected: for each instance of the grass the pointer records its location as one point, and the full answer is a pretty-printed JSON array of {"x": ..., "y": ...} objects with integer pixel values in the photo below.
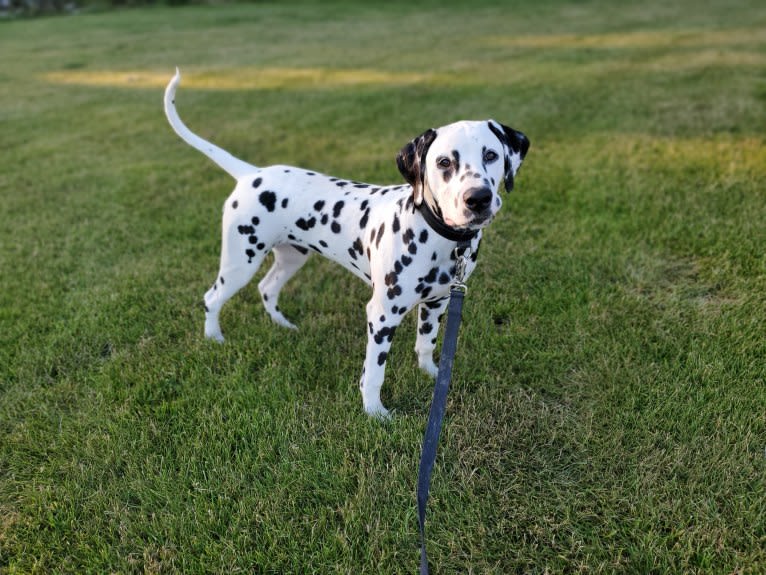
[{"x": 608, "y": 409}]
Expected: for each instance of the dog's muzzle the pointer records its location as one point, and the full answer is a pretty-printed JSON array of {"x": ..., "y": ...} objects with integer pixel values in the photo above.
[{"x": 478, "y": 199}]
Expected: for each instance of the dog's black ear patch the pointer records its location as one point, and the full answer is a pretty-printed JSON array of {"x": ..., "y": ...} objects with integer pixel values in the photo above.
[
  {"x": 514, "y": 142},
  {"x": 411, "y": 162}
]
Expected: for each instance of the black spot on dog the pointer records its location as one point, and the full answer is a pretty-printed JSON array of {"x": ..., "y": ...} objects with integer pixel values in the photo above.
[
  {"x": 475, "y": 254},
  {"x": 361, "y": 185},
  {"x": 261, "y": 246},
  {"x": 380, "y": 234},
  {"x": 246, "y": 230},
  {"x": 384, "y": 333},
  {"x": 444, "y": 278},
  {"x": 426, "y": 328},
  {"x": 394, "y": 291},
  {"x": 222, "y": 282},
  {"x": 413, "y": 248},
  {"x": 335, "y": 227},
  {"x": 341, "y": 184},
  {"x": 391, "y": 278},
  {"x": 408, "y": 236},
  {"x": 301, "y": 249},
  {"x": 310, "y": 174},
  {"x": 406, "y": 260},
  {"x": 396, "y": 226},
  {"x": 319, "y": 205},
  {"x": 365, "y": 217},
  {"x": 284, "y": 203},
  {"x": 325, "y": 219},
  {"x": 257, "y": 182},
  {"x": 255, "y": 221},
  {"x": 426, "y": 292},
  {"x": 363, "y": 205},
  {"x": 234, "y": 204},
  {"x": 250, "y": 255},
  {"x": 268, "y": 199},
  {"x": 337, "y": 208},
  {"x": 430, "y": 277},
  {"x": 352, "y": 253},
  {"x": 323, "y": 243},
  {"x": 382, "y": 358},
  {"x": 423, "y": 238},
  {"x": 306, "y": 224},
  {"x": 316, "y": 249},
  {"x": 358, "y": 246},
  {"x": 253, "y": 239},
  {"x": 398, "y": 267}
]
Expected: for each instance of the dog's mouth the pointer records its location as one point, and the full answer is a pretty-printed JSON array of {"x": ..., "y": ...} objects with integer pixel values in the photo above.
[{"x": 476, "y": 222}]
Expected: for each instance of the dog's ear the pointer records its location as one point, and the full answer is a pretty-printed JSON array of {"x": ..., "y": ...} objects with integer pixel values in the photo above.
[
  {"x": 411, "y": 162},
  {"x": 514, "y": 142}
]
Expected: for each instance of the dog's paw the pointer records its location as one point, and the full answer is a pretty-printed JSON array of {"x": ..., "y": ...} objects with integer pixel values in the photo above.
[
  {"x": 429, "y": 367},
  {"x": 214, "y": 336},
  {"x": 279, "y": 319},
  {"x": 377, "y": 411}
]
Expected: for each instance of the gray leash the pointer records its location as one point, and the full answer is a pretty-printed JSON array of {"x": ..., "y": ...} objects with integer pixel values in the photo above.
[{"x": 439, "y": 402}]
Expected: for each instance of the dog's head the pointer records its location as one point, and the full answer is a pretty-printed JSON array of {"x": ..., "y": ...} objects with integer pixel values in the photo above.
[{"x": 461, "y": 166}]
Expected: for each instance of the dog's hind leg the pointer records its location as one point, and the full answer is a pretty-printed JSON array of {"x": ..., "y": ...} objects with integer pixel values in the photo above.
[
  {"x": 235, "y": 272},
  {"x": 288, "y": 259}
]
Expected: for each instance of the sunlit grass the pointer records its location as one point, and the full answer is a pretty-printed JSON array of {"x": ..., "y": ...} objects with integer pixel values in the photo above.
[
  {"x": 668, "y": 39},
  {"x": 240, "y": 78}
]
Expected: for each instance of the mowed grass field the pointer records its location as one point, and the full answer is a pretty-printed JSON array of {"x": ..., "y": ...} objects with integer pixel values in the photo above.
[{"x": 608, "y": 406}]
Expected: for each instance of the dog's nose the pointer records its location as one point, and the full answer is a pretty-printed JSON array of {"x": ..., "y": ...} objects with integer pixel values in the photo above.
[{"x": 477, "y": 199}]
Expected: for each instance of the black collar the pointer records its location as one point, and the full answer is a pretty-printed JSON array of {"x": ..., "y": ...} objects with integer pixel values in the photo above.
[{"x": 438, "y": 225}]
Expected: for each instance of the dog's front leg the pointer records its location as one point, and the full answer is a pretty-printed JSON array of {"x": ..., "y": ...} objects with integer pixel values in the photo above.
[
  {"x": 429, "y": 317},
  {"x": 381, "y": 326}
]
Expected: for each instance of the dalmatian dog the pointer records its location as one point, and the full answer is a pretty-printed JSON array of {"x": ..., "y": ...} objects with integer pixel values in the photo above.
[{"x": 400, "y": 239}]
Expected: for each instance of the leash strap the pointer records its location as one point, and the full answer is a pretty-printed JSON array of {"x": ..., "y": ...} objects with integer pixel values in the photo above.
[{"x": 439, "y": 403}]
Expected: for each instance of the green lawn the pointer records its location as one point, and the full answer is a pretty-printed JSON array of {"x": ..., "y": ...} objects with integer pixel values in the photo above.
[{"x": 608, "y": 408}]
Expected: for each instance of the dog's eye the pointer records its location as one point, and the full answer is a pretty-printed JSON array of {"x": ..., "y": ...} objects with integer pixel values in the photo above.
[
  {"x": 444, "y": 162},
  {"x": 490, "y": 156}
]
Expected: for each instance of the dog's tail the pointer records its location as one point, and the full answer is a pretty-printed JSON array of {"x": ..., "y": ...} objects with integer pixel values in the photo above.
[{"x": 235, "y": 167}]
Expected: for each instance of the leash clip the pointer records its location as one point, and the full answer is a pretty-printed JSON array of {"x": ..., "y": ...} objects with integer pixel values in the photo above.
[{"x": 460, "y": 267}]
